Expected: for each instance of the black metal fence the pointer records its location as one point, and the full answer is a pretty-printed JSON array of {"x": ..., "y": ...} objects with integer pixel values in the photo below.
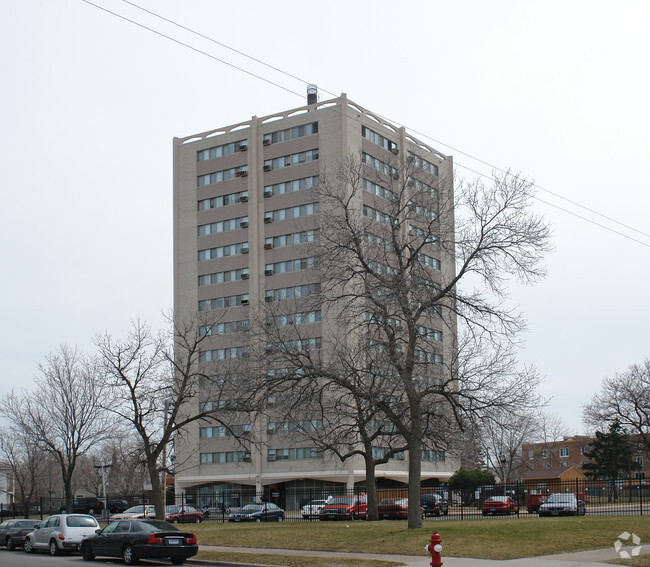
[{"x": 600, "y": 498}]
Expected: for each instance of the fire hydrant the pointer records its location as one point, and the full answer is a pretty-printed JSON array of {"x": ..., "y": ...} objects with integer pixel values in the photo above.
[{"x": 435, "y": 549}]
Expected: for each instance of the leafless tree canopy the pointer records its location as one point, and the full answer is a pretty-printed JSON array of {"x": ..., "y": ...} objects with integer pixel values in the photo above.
[
  {"x": 63, "y": 415},
  {"x": 624, "y": 397},
  {"x": 399, "y": 271}
]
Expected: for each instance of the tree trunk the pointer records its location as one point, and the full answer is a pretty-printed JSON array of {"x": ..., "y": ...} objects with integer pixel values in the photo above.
[
  {"x": 371, "y": 489},
  {"x": 152, "y": 466},
  {"x": 415, "y": 474}
]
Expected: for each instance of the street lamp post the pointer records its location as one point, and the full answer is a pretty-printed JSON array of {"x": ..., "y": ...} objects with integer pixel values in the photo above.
[
  {"x": 103, "y": 469},
  {"x": 504, "y": 479}
]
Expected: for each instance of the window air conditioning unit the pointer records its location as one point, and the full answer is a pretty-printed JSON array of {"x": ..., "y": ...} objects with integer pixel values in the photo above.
[
  {"x": 268, "y": 272},
  {"x": 243, "y": 147},
  {"x": 396, "y": 176},
  {"x": 267, "y": 168},
  {"x": 268, "y": 246},
  {"x": 243, "y": 199},
  {"x": 243, "y": 173},
  {"x": 268, "y": 298},
  {"x": 246, "y": 432},
  {"x": 244, "y": 276},
  {"x": 395, "y": 151},
  {"x": 266, "y": 142},
  {"x": 244, "y": 250},
  {"x": 268, "y": 193},
  {"x": 244, "y": 301},
  {"x": 246, "y": 458},
  {"x": 270, "y": 457},
  {"x": 268, "y": 220},
  {"x": 243, "y": 224}
]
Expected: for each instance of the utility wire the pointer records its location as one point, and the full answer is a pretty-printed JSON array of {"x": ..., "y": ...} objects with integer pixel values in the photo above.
[{"x": 421, "y": 134}]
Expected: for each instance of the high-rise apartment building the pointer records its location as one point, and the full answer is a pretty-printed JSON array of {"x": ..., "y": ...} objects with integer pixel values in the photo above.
[{"x": 244, "y": 216}]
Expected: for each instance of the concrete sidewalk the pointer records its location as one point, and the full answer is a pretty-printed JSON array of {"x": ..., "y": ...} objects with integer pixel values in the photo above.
[{"x": 592, "y": 558}]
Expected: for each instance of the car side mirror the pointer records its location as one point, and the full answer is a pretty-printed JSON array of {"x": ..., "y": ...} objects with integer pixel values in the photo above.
[{"x": 98, "y": 531}]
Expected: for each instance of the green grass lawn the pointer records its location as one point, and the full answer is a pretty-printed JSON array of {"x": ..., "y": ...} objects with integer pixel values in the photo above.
[{"x": 489, "y": 539}]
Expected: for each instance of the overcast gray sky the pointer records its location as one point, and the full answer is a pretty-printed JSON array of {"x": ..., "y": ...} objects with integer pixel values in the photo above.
[{"x": 90, "y": 103}]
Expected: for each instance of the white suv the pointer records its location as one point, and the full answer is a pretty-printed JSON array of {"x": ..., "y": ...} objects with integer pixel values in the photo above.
[{"x": 61, "y": 532}]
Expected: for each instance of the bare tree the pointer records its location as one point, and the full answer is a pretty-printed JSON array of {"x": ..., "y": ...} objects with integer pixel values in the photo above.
[
  {"x": 63, "y": 415},
  {"x": 25, "y": 461},
  {"x": 155, "y": 380},
  {"x": 392, "y": 272},
  {"x": 624, "y": 398}
]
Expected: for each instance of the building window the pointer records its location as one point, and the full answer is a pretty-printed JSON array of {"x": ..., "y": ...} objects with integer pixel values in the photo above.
[
  {"x": 293, "y": 212},
  {"x": 292, "y": 239},
  {"x": 293, "y": 454},
  {"x": 378, "y": 216},
  {"x": 291, "y": 133},
  {"x": 424, "y": 235},
  {"x": 298, "y": 345},
  {"x": 225, "y": 457},
  {"x": 291, "y": 266},
  {"x": 564, "y": 452},
  {"x": 291, "y": 159},
  {"x": 639, "y": 459},
  {"x": 434, "y": 456},
  {"x": 421, "y": 187},
  {"x": 224, "y": 328},
  {"x": 291, "y": 186},
  {"x": 223, "y": 277},
  {"x": 422, "y": 163},
  {"x": 223, "y": 201},
  {"x": 378, "y": 165},
  {"x": 427, "y": 357},
  {"x": 546, "y": 453},
  {"x": 221, "y": 431},
  {"x": 564, "y": 464},
  {"x": 222, "y": 226},
  {"x": 221, "y": 176},
  {"x": 429, "y": 261},
  {"x": 222, "y": 354},
  {"x": 427, "y": 333},
  {"x": 378, "y": 190},
  {"x": 220, "y": 151},
  {"x": 531, "y": 454},
  {"x": 223, "y": 302},
  {"x": 293, "y": 292},
  {"x": 223, "y": 251},
  {"x": 378, "y": 139},
  {"x": 295, "y": 319},
  {"x": 584, "y": 450},
  {"x": 286, "y": 427}
]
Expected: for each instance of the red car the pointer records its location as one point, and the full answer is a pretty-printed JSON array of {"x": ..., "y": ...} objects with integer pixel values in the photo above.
[
  {"x": 500, "y": 505},
  {"x": 395, "y": 509},
  {"x": 344, "y": 508},
  {"x": 184, "y": 513}
]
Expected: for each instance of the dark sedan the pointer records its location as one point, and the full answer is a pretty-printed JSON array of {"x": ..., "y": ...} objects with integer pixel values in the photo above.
[
  {"x": 13, "y": 532},
  {"x": 140, "y": 539},
  {"x": 267, "y": 512}
]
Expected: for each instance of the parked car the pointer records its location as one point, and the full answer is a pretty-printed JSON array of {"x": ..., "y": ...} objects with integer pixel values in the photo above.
[
  {"x": 133, "y": 540},
  {"x": 91, "y": 505},
  {"x": 13, "y": 532},
  {"x": 395, "y": 509},
  {"x": 560, "y": 504},
  {"x": 312, "y": 509},
  {"x": 500, "y": 505},
  {"x": 434, "y": 504},
  {"x": 344, "y": 507},
  {"x": 117, "y": 505},
  {"x": 184, "y": 513},
  {"x": 139, "y": 511},
  {"x": 61, "y": 532},
  {"x": 266, "y": 512}
]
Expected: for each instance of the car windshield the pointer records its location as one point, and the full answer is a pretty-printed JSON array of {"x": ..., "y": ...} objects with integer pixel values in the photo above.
[
  {"x": 137, "y": 509},
  {"x": 497, "y": 499},
  {"x": 341, "y": 500},
  {"x": 251, "y": 508},
  {"x": 388, "y": 501},
  {"x": 171, "y": 509},
  {"x": 81, "y": 522},
  {"x": 560, "y": 499}
]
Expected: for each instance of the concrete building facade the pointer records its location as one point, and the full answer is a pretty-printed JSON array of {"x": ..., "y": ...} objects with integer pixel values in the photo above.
[{"x": 244, "y": 215}]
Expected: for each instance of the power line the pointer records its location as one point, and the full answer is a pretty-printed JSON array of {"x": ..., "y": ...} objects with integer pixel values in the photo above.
[{"x": 421, "y": 134}]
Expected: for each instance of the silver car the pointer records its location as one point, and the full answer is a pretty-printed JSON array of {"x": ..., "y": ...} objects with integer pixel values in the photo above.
[{"x": 61, "y": 532}]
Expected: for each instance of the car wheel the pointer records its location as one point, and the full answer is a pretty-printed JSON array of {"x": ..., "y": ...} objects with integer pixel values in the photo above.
[
  {"x": 54, "y": 549},
  {"x": 28, "y": 547},
  {"x": 128, "y": 555},
  {"x": 87, "y": 552},
  {"x": 178, "y": 560},
  {"x": 198, "y": 519},
  {"x": 353, "y": 516},
  {"x": 280, "y": 519},
  {"x": 10, "y": 544},
  {"x": 175, "y": 520}
]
